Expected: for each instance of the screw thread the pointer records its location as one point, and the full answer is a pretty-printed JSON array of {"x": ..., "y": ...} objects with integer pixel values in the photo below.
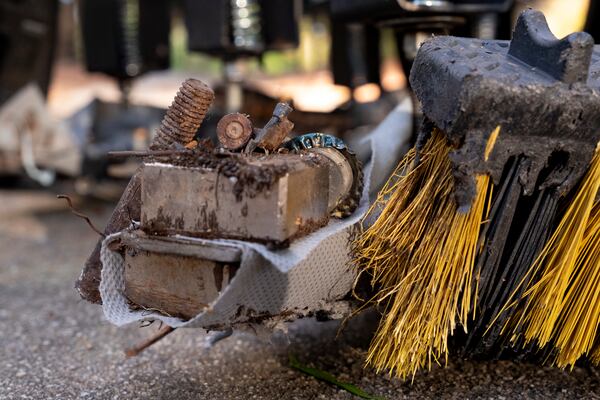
[{"x": 184, "y": 116}]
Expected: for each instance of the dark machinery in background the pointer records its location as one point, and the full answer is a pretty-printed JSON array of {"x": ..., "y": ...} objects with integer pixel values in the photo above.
[
  {"x": 27, "y": 39},
  {"x": 129, "y": 37},
  {"x": 236, "y": 29},
  {"x": 126, "y": 38},
  {"x": 233, "y": 28},
  {"x": 123, "y": 39},
  {"x": 356, "y": 26}
]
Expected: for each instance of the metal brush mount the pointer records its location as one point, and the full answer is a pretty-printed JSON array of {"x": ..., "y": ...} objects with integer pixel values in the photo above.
[{"x": 543, "y": 92}]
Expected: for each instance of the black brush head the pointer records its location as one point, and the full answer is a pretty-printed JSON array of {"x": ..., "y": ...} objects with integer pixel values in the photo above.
[{"x": 543, "y": 92}]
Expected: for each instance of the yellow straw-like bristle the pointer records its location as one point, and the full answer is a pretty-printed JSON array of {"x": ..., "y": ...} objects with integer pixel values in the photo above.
[
  {"x": 420, "y": 253},
  {"x": 560, "y": 306},
  {"x": 578, "y": 323}
]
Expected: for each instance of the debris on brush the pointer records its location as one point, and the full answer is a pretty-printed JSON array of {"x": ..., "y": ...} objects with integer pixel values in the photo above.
[
  {"x": 189, "y": 197},
  {"x": 487, "y": 233}
]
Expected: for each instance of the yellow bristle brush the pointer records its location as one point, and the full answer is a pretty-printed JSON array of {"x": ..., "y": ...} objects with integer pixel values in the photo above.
[
  {"x": 420, "y": 253},
  {"x": 561, "y": 303},
  {"x": 469, "y": 231}
]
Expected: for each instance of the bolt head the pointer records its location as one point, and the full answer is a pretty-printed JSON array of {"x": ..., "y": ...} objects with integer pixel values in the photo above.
[{"x": 234, "y": 131}]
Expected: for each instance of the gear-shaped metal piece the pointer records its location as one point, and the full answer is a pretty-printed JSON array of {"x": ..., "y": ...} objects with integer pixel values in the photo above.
[{"x": 348, "y": 203}]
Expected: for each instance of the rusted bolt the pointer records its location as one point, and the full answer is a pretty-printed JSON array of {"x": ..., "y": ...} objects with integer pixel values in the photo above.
[
  {"x": 234, "y": 131},
  {"x": 274, "y": 132},
  {"x": 184, "y": 116}
]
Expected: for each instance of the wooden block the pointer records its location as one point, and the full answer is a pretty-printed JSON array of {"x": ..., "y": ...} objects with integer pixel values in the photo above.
[
  {"x": 171, "y": 278},
  {"x": 202, "y": 202}
]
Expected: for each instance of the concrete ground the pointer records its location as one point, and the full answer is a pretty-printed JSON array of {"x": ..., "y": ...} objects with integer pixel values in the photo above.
[{"x": 54, "y": 345}]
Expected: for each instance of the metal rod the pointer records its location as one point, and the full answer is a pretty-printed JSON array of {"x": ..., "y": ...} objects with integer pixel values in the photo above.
[
  {"x": 147, "y": 153},
  {"x": 137, "y": 349}
]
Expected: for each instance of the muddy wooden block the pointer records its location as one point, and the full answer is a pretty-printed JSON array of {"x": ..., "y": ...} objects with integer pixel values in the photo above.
[
  {"x": 174, "y": 276},
  {"x": 270, "y": 199}
]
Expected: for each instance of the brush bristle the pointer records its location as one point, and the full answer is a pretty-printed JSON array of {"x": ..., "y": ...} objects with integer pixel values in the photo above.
[
  {"x": 580, "y": 314},
  {"x": 420, "y": 254},
  {"x": 561, "y": 304}
]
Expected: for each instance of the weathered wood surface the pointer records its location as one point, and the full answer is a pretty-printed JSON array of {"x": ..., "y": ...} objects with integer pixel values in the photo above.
[
  {"x": 174, "y": 285},
  {"x": 205, "y": 202},
  {"x": 192, "y": 247},
  {"x": 176, "y": 276}
]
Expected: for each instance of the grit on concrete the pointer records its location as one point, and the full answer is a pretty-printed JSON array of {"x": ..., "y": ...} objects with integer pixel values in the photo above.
[{"x": 53, "y": 345}]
